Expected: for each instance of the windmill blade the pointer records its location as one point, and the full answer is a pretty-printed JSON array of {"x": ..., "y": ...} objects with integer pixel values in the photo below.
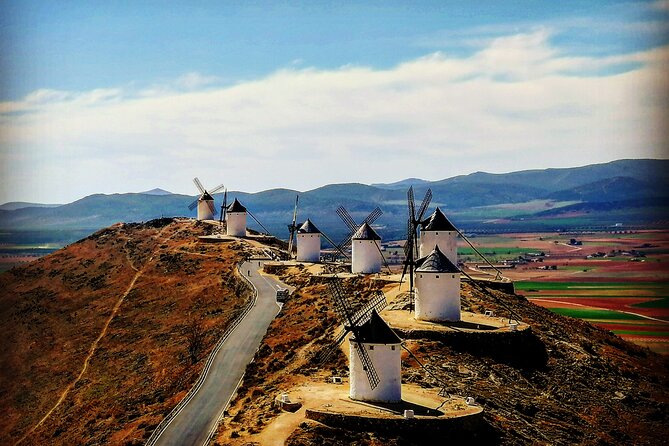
[
  {"x": 424, "y": 205},
  {"x": 216, "y": 189},
  {"x": 347, "y": 219},
  {"x": 342, "y": 252},
  {"x": 367, "y": 365},
  {"x": 292, "y": 228},
  {"x": 341, "y": 304},
  {"x": 211, "y": 206},
  {"x": 408, "y": 246},
  {"x": 346, "y": 243},
  {"x": 404, "y": 271},
  {"x": 377, "y": 302},
  {"x": 371, "y": 218},
  {"x": 411, "y": 204},
  {"x": 199, "y": 185},
  {"x": 224, "y": 208},
  {"x": 258, "y": 221},
  {"x": 193, "y": 205},
  {"x": 328, "y": 350},
  {"x": 383, "y": 258}
]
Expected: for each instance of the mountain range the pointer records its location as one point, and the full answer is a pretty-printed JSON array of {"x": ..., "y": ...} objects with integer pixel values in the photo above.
[{"x": 619, "y": 193}]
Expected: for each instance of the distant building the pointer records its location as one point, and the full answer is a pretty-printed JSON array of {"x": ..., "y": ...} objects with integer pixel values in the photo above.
[
  {"x": 366, "y": 251},
  {"x": 308, "y": 242},
  {"x": 439, "y": 231},
  {"x": 438, "y": 288},
  {"x": 236, "y": 220}
]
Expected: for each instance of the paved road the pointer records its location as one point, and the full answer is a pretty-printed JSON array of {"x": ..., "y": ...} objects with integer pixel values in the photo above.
[{"x": 194, "y": 423}]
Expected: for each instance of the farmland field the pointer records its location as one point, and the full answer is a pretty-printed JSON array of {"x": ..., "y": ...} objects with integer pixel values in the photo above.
[{"x": 618, "y": 281}]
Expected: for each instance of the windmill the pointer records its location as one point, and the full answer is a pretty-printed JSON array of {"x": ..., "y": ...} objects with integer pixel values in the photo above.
[
  {"x": 411, "y": 246},
  {"x": 224, "y": 206},
  {"x": 292, "y": 228},
  {"x": 366, "y": 251},
  {"x": 374, "y": 355},
  {"x": 438, "y": 284},
  {"x": 205, "y": 202}
]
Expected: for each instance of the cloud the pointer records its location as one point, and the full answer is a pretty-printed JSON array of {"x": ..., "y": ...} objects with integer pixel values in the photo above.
[{"x": 519, "y": 102}]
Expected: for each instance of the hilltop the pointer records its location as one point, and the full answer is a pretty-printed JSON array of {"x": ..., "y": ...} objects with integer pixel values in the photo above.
[
  {"x": 631, "y": 193},
  {"x": 567, "y": 383},
  {"x": 138, "y": 305},
  {"x": 128, "y": 302}
]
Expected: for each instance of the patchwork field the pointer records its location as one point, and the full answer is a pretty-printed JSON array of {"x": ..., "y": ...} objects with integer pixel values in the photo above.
[{"x": 618, "y": 281}]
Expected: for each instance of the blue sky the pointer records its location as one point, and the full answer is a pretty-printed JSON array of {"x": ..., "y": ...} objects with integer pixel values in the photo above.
[{"x": 126, "y": 96}]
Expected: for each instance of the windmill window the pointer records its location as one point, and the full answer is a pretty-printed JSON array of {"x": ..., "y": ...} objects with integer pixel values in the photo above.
[
  {"x": 421, "y": 276},
  {"x": 452, "y": 276},
  {"x": 392, "y": 347},
  {"x": 371, "y": 347},
  {"x": 437, "y": 276}
]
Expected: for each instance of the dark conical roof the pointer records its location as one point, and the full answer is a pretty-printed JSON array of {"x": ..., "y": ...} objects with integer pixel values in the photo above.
[
  {"x": 376, "y": 331},
  {"x": 206, "y": 196},
  {"x": 365, "y": 232},
  {"x": 436, "y": 262},
  {"x": 236, "y": 206},
  {"x": 438, "y": 222},
  {"x": 308, "y": 228}
]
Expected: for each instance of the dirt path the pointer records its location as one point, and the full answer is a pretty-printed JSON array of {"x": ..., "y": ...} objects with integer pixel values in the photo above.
[{"x": 94, "y": 345}]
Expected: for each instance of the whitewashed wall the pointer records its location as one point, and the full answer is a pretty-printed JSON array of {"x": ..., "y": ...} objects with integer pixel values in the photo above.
[
  {"x": 236, "y": 224},
  {"x": 437, "y": 296},
  {"x": 388, "y": 365},
  {"x": 308, "y": 247},
  {"x": 365, "y": 256}
]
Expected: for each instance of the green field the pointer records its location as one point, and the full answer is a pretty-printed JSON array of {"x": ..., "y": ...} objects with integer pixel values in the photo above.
[
  {"x": 641, "y": 333},
  {"x": 595, "y": 314},
  {"x": 662, "y": 302},
  {"x": 545, "y": 286}
]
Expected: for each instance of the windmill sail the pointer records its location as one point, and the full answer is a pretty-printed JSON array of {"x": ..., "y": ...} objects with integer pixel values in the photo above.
[{"x": 357, "y": 323}]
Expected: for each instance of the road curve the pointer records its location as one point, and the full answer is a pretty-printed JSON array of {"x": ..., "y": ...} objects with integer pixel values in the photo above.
[{"x": 197, "y": 419}]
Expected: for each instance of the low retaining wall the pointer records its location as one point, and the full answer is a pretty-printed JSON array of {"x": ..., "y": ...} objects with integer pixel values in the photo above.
[
  {"x": 506, "y": 287},
  {"x": 465, "y": 428},
  {"x": 517, "y": 348}
]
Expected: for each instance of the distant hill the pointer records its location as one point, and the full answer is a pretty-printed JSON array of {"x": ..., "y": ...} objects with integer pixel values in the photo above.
[
  {"x": 14, "y": 205},
  {"x": 156, "y": 191},
  {"x": 597, "y": 195}
]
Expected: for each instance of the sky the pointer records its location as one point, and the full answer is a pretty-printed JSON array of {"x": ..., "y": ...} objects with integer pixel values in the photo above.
[{"x": 115, "y": 97}]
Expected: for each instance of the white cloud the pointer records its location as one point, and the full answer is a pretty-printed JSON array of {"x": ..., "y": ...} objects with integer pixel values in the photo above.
[{"x": 516, "y": 103}]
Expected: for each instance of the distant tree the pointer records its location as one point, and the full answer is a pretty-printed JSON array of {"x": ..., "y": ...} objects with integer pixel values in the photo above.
[{"x": 195, "y": 335}]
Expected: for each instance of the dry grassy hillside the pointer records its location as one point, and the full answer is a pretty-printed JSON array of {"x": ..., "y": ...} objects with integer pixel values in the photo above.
[
  {"x": 568, "y": 383},
  {"x": 116, "y": 326}
]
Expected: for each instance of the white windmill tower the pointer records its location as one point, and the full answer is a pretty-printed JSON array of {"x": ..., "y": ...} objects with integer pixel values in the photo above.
[
  {"x": 236, "y": 219},
  {"x": 366, "y": 254},
  {"x": 308, "y": 242},
  {"x": 437, "y": 288},
  {"x": 375, "y": 364},
  {"x": 439, "y": 231},
  {"x": 205, "y": 203}
]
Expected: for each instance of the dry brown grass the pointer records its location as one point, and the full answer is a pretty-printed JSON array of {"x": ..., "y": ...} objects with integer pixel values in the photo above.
[
  {"x": 54, "y": 309},
  {"x": 570, "y": 383}
]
